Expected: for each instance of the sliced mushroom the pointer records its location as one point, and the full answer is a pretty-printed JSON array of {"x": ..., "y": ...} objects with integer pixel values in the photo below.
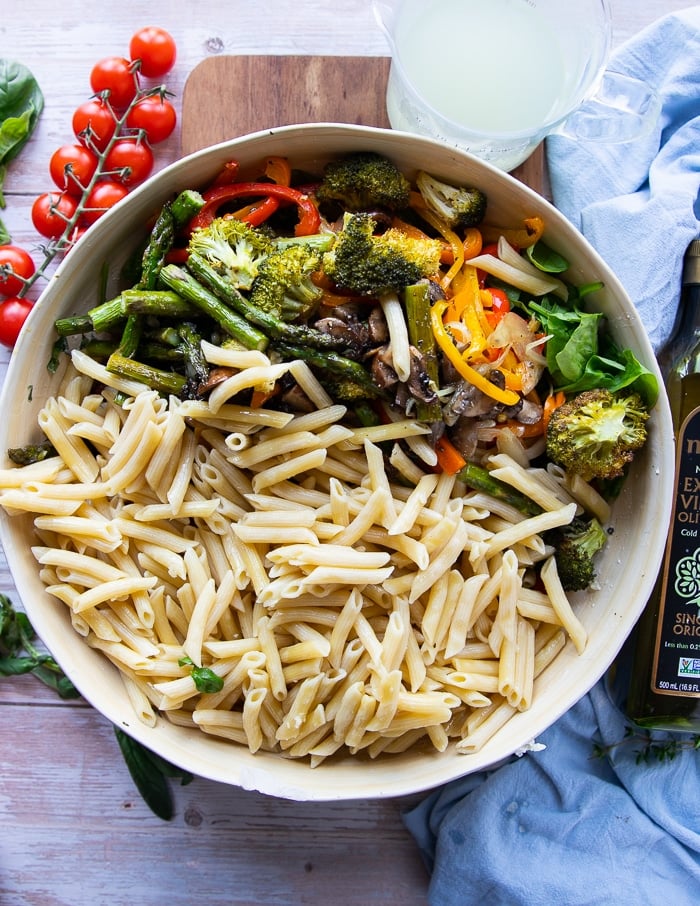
[
  {"x": 215, "y": 376},
  {"x": 382, "y": 368},
  {"x": 419, "y": 384}
]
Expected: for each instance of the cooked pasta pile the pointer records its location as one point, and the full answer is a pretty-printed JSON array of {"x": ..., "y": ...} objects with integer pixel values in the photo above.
[{"x": 340, "y": 609}]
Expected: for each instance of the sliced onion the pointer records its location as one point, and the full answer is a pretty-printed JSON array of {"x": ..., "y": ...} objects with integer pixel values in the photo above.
[{"x": 518, "y": 272}]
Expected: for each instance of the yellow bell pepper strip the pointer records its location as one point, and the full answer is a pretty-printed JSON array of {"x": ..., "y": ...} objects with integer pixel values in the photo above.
[
  {"x": 521, "y": 238},
  {"x": 444, "y": 341},
  {"x": 278, "y": 170}
]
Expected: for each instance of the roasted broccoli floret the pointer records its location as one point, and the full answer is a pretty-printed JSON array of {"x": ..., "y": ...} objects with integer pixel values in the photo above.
[
  {"x": 458, "y": 206},
  {"x": 232, "y": 248},
  {"x": 371, "y": 265},
  {"x": 284, "y": 285},
  {"x": 575, "y": 546},
  {"x": 364, "y": 180},
  {"x": 597, "y": 433}
]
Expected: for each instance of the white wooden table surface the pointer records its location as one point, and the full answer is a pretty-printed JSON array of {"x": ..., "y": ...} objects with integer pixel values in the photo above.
[{"x": 73, "y": 829}]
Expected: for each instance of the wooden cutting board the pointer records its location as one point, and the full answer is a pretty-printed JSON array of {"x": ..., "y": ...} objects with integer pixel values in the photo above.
[{"x": 228, "y": 96}]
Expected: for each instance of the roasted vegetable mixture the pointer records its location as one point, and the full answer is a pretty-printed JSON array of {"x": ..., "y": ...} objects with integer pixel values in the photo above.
[{"x": 405, "y": 300}]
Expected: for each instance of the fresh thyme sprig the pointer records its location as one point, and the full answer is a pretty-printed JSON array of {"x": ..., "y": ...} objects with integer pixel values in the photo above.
[{"x": 649, "y": 748}]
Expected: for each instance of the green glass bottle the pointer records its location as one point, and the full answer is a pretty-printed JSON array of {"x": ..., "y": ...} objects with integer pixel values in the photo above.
[{"x": 664, "y": 691}]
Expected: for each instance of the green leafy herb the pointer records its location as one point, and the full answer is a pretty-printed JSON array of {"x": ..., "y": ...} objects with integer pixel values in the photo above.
[
  {"x": 650, "y": 748},
  {"x": 21, "y": 103},
  {"x": 18, "y": 654},
  {"x": 581, "y": 357},
  {"x": 546, "y": 259},
  {"x": 150, "y": 773},
  {"x": 204, "y": 678}
]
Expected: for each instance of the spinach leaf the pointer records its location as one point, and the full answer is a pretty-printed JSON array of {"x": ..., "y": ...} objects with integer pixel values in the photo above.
[
  {"x": 21, "y": 103},
  {"x": 546, "y": 259},
  {"x": 150, "y": 772},
  {"x": 581, "y": 356}
]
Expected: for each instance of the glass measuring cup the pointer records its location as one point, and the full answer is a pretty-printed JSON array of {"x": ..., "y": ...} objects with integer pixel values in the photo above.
[{"x": 496, "y": 78}]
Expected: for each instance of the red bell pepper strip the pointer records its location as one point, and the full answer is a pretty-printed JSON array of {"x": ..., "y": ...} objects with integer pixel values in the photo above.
[
  {"x": 309, "y": 219},
  {"x": 227, "y": 175}
]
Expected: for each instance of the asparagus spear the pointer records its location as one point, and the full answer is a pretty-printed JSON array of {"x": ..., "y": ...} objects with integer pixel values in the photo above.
[
  {"x": 195, "y": 364},
  {"x": 159, "y": 244},
  {"x": 480, "y": 479},
  {"x": 156, "y": 378},
  {"x": 163, "y": 303},
  {"x": 185, "y": 285},
  {"x": 331, "y": 361},
  {"x": 273, "y": 326},
  {"x": 172, "y": 216},
  {"x": 420, "y": 332}
]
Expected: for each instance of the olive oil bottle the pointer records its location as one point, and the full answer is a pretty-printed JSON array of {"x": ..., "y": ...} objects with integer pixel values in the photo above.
[{"x": 664, "y": 690}]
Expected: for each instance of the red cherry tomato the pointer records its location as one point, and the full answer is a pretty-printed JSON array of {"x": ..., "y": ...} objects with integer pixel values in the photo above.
[
  {"x": 155, "y": 49},
  {"x": 13, "y": 314},
  {"x": 51, "y": 212},
  {"x": 155, "y": 115},
  {"x": 94, "y": 124},
  {"x": 116, "y": 76},
  {"x": 129, "y": 161},
  {"x": 72, "y": 167},
  {"x": 103, "y": 196},
  {"x": 20, "y": 262}
]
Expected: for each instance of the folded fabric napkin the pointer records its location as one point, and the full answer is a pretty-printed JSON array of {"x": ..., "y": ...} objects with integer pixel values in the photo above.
[
  {"x": 560, "y": 825},
  {"x": 637, "y": 202}
]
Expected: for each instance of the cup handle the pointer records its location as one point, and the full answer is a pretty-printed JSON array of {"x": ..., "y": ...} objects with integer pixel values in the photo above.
[{"x": 622, "y": 109}]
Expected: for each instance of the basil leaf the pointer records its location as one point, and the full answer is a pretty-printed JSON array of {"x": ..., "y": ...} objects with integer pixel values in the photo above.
[
  {"x": 150, "y": 781},
  {"x": 150, "y": 772},
  {"x": 21, "y": 103},
  {"x": 206, "y": 680}
]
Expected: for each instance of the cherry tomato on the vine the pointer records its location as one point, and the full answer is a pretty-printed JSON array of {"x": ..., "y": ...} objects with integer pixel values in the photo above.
[
  {"x": 13, "y": 314},
  {"x": 94, "y": 124},
  {"x": 22, "y": 265},
  {"x": 72, "y": 167},
  {"x": 115, "y": 75},
  {"x": 51, "y": 211},
  {"x": 129, "y": 161},
  {"x": 155, "y": 115},
  {"x": 155, "y": 48},
  {"x": 104, "y": 195}
]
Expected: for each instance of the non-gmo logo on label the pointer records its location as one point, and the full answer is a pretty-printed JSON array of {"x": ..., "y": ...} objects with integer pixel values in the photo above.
[{"x": 689, "y": 666}]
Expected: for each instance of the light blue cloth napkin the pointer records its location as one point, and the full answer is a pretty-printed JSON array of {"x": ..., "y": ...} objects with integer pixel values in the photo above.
[
  {"x": 561, "y": 826},
  {"x": 637, "y": 202}
]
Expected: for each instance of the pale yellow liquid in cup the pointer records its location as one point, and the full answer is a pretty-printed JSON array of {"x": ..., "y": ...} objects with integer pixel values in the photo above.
[{"x": 492, "y": 66}]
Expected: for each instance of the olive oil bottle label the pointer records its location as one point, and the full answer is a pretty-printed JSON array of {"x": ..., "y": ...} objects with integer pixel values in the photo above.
[{"x": 676, "y": 668}]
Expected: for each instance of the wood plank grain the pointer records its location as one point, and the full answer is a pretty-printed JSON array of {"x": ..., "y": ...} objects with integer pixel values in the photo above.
[
  {"x": 256, "y": 92},
  {"x": 81, "y": 827}
]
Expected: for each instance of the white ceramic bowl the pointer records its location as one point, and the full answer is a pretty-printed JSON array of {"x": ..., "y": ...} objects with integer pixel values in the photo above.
[{"x": 627, "y": 568}]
